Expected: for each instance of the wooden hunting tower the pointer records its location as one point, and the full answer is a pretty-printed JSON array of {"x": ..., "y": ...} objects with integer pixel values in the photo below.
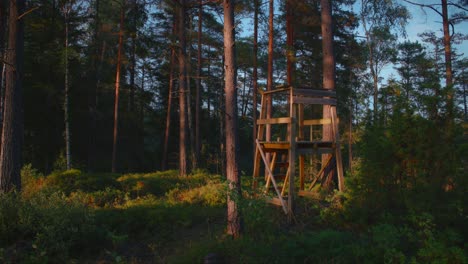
[{"x": 296, "y": 140}]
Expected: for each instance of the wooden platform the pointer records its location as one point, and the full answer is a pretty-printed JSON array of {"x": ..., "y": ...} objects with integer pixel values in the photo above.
[{"x": 302, "y": 147}]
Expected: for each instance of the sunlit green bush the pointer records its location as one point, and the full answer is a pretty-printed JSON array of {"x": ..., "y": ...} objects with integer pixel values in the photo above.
[{"x": 211, "y": 194}]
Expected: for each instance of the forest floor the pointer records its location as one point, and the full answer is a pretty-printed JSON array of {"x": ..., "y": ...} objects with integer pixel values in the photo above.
[{"x": 75, "y": 217}]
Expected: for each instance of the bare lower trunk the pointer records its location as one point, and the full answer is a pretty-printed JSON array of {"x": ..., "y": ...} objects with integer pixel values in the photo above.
[
  {"x": 255, "y": 73},
  {"x": 350, "y": 140},
  {"x": 191, "y": 131},
  {"x": 183, "y": 170},
  {"x": 169, "y": 108},
  {"x": 328, "y": 67},
  {"x": 3, "y": 25},
  {"x": 92, "y": 93},
  {"x": 198, "y": 87},
  {"x": 232, "y": 170},
  {"x": 117, "y": 87},
  {"x": 12, "y": 136},
  {"x": 65, "y": 104}
]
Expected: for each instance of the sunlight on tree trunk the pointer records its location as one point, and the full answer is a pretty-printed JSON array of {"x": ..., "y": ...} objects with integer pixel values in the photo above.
[
  {"x": 232, "y": 170},
  {"x": 117, "y": 87},
  {"x": 328, "y": 67}
]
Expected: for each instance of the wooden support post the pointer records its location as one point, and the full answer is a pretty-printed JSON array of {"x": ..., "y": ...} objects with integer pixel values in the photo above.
[
  {"x": 321, "y": 172},
  {"x": 300, "y": 115},
  {"x": 285, "y": 183},
  {"x": 339, "y": 161},
  {"x": 260, "y": 131},
  {"x": 292, "y": 158}
]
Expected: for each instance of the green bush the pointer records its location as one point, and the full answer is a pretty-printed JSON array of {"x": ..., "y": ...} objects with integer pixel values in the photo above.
[
  {"x": 31, "y": 181},
  {"x": 73, "y": 180},
  {"x": 108, "y": 197},
  {"x": 211, "y": 194},
  {"x": 46, "y": 228}
]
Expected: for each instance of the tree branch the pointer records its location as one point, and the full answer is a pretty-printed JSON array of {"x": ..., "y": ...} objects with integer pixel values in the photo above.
[
  {"x": 27, "y": 12},
  {"x": 423, "y": 5}
]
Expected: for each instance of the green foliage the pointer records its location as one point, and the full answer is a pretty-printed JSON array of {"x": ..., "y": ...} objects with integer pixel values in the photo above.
[
  {"x": 211, "y": 194},
  {"x": 45, "y": 228},
  {"x": 72, "y": 180},
  {"x": 72, "y": 216}
]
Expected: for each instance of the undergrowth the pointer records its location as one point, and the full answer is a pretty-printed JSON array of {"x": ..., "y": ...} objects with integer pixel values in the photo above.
[{"x": 159, "y": 217}]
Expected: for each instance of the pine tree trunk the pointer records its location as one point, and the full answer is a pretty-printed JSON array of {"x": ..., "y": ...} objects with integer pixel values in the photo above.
[
  {"x": 131, "y": 100},
  {"x": 222, "y": 131},
  {"x": 255, "y": 73},
  {"x": 117, "y": 87},
  {"x": 169, "y": 104},
  {"x": 290, "y": 43},
  {"x": 12, "y": 136},
  {"x": 465, "y": 106},
  {"x": 183, "y": 170},
  {"x": 328, "y": 66},
  {"x": 92, "y": 94},
  {"x": 191, "y": 131},
  {"x": 66, "y": 104},
  {"x": 3, "y": 25},
  {"x": 448, "y": 61},
  {"x": 232, "y": 170},
  {"x": 270, "y": 67},
  {"x": 198, "y": 84}
]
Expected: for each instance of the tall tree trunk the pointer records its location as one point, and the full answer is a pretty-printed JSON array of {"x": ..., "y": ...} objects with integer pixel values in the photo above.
[
  {"x": 448, "y": 61},
  {"x": 169, "y": 104},
  {"x": 269, "y": 103},
  {"x": 117, "y": 87},
  {"x": 375, "y": 77},
  {"x": 191, "y": 131},
  {"x": 12, "y": 136},
  {"x": 350, "y": 140},
  {"x": 270, "y": 66},
  {"x": 198, "y": 84},
  {"x": 3, "y": 24},
  {"x": 222, "y": 131},
  {"x": 232, "y": 170},
  {"x": 92, "y": 93},
  {"x": 328, "y": 66},
  {"x": 289, "y": 42},
  {"x": 255, "y": 73},
  {"x": 464, "y": 97},
  {"x": 131, "y": 101},
  {"x": 67, "y": 10},
  {"x": 183, "y": 170}
]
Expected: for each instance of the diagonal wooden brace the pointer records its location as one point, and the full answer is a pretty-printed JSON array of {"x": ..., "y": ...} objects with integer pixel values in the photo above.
[{"x": 270, "y": 174}]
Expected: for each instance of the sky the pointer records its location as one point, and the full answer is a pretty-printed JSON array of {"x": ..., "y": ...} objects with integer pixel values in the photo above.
[
  {"x": 422, "y": 20},
  {"x": 425, "y": 19}
]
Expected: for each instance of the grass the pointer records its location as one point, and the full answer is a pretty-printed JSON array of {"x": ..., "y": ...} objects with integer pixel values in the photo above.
[{"x": 74, "y": 217}]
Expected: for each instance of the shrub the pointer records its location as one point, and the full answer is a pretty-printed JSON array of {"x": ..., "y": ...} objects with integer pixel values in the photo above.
[
  {"x": 72, "y": 180},
  {"x": 46, "y": 228},
  {"x": 211, "y": 194},
  {"x": 31, "y": 181}
]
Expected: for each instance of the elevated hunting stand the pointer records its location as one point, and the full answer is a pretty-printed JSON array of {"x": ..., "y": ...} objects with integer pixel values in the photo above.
[{"x": 291, "y": 125}]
